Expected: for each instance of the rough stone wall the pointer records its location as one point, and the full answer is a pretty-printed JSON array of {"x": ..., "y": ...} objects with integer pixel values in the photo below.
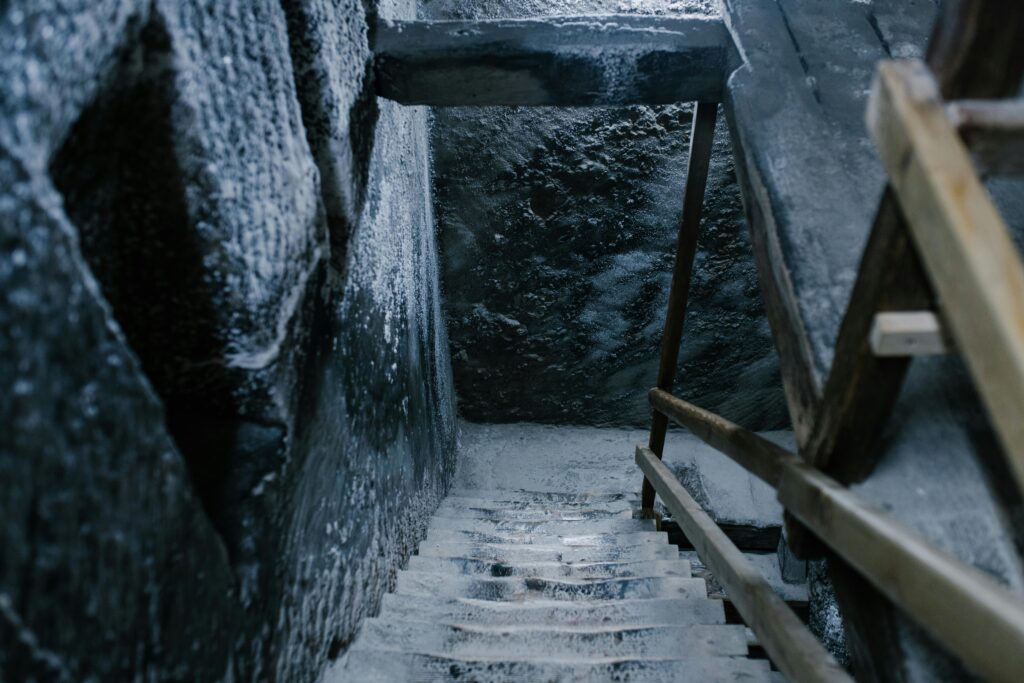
[
  {"x": 558, "y": 230},
  {"x": 224, "y": 381}
]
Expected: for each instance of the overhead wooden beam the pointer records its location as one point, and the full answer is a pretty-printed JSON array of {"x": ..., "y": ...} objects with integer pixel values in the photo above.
[
  {"x": 577, "y": 61},
  {"x": 978, "y": 619},
  {"x": 965, "y": 245},
  {"x": 790, "y": 645}
]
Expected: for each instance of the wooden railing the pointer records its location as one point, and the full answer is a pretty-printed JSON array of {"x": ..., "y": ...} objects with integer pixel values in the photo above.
[{"x": 937, "y": 237}]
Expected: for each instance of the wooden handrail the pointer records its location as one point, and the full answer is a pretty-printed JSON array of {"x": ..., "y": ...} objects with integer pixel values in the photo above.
[
  {"x": 974, "y": 616},
  {"x": 791, "y": 646},
  {"x": 755, "y": 453}
]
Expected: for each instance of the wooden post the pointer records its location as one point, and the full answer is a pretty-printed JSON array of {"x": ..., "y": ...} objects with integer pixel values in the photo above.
[{"x": 702, "y": 138}]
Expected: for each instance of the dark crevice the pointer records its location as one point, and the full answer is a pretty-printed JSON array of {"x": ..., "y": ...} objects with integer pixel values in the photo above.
[
  {"x": 873, "y": 20},
  {"x": 123, "y": 189},
  {"x": 800, "y": 55}
]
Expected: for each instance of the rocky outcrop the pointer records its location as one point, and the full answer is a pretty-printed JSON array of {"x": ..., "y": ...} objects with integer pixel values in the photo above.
[
  {"x": 224, "y": 379},
  {"x": 558, "y": 229}
]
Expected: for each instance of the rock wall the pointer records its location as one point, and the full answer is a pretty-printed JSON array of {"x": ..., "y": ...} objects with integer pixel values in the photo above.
[
  {"x": 558, "y": 230},
  {"x": 224, "y": 380}
]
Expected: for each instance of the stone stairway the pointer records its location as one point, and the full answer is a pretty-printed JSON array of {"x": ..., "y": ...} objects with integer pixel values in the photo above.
[{"x": 532, "y": 587}]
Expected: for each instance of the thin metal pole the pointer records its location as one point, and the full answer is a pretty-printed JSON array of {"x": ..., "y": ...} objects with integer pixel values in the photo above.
[{"x": 702, "y": 137}]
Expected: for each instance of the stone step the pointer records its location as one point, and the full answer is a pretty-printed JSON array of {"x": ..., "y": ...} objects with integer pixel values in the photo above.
[
  {"x": 532, "y": 586},
  {"x": 546, "y": 527},
  {"x": 519, "y": 589},
  {"x": 376, "y": 666},
  {"x": 577, "y": 570},
  {"x": 450, "y": 510},
  {"x": 578, "y": 539},
  {"x": 524, "y": 500},
  {"x": 647, "y": 612},
  {"x": 513, "y": 553},
  {"x": 550, "y": 643}
]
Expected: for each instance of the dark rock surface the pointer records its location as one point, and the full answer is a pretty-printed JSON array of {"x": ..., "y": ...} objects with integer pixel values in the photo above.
[
  {"x": 558, "y": 230},
  {"x": 224, "y": 381}
]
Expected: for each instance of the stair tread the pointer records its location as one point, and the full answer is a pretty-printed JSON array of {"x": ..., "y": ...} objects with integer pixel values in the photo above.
[
  {"x": 551, "y": 643},
  {"x": 639, "y": 612},
  {"x": 377, "y": 665},
  {"x": 581, "y": 513},
  {"x": 518, "y": 588},
  {"x": 511, "y": 552},
  {"x": 578, "y": 538},
  {"x": 466, "y": 566},
  {"x": 612, "y": 525}
]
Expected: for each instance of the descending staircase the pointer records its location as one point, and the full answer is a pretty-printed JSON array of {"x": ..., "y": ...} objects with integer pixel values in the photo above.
[{"x": 520, "y": 586}]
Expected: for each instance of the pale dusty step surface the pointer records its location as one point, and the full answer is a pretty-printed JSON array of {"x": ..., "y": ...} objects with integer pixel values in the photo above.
[
  {"x": 514, "y": 585},
  {"x": 551, "y": 643},
  {"x": 519, "y": 589},
  {"x": 624, "y": 613},
  {"x": 510, "y": 552},
  {"x": 466, "y": 566},
  {"x": 384, "y": 666}
]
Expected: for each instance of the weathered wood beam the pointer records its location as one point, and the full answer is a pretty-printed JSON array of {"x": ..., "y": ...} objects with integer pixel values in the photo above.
[
  {"x": 963, "y": 242},
  {"x": 791, "y": 646},
  {"x": 994, "y": 132},
  {"x": 702, "y": 139},
  {"x": 978, "y": 619},
  {"x": 577, "y": 61},
  {"x": 907, "y": 333}
]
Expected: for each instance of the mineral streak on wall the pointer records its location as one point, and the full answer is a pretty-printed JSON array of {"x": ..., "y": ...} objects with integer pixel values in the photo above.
[{"x": 224, "y": 382}]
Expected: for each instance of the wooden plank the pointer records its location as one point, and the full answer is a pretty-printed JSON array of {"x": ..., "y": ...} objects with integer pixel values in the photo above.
[
  {"x": 907, "y": 333},
  {"x": 994, "y": 132},
  {"x": 702, "y": 138},
  {"x": 964, "y": 244},
  {"x": 755, "y": 453},
  {"x": 793, "y": 649},
  {"x": 968, "y": 611},
  {"x": 563, "y": 61}
]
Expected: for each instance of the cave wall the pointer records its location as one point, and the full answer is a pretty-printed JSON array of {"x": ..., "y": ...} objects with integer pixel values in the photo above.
[
  {"x": 224, "y": 377},
  {"x": 558, "y": 230}
]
